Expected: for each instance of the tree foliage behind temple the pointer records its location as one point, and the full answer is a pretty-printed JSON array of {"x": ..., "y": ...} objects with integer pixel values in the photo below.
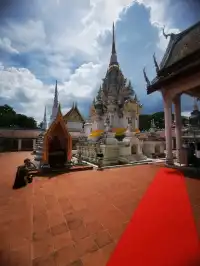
[
  {"x": 159, "y": 120},
  {"x": 10, "y": 119}
]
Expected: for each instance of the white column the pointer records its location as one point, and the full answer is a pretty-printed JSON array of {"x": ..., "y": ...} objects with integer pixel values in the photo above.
[
  {"x": 34, "y": 144},
  {"x": 135, "y": 125},
  {"x": 168, "y": 129},
  {"x": 178, "y": 130},
  {"x": 19, "y": 144}
]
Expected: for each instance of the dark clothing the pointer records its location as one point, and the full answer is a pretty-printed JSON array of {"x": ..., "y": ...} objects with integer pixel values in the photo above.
[{"x": 20, "y": 178}]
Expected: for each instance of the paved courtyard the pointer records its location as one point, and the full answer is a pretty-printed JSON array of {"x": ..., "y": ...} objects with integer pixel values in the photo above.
[{"x": 72, "y": 219}]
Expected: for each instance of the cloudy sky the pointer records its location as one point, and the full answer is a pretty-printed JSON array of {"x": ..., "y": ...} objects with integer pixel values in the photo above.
[{"x": 41, "y": 41}]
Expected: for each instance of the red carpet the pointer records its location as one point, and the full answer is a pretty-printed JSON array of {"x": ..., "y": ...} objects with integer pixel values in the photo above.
[{"x": 162, "y": 231}]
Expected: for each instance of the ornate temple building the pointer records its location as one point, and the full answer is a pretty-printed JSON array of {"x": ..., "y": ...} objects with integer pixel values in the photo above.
[
  {"x": 177, "y": 74},
  {"x": 116, "y": 102},
  {"x": 112, "y": 125}
]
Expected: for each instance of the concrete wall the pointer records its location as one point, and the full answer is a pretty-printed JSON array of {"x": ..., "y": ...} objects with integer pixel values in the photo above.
[{"x": 77, "y": 126}]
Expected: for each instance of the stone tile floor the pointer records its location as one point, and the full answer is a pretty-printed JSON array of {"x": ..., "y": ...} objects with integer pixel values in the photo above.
[{"x": 73, "y": 219}]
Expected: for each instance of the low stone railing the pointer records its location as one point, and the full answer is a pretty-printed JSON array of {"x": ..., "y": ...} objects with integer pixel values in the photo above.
[{"x": 87, "y": 151}]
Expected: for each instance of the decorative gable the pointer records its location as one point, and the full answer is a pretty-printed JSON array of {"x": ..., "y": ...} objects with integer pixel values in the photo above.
[
  {"x": 182, "y": 45},
  {"x": 73, "y": 116}
]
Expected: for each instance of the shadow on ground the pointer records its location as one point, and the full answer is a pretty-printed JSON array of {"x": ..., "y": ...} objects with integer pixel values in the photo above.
[
  {"x": 191, "y": 173},
  {"x": 56, "y": 172}
]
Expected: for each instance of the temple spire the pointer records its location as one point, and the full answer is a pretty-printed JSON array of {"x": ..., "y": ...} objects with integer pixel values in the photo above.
[
  {"x": 113, "y": 58},
  {"x": 44, "y": 122},
  {"x": 113, "y": 40},
  {"x": 55, "y": 104}
]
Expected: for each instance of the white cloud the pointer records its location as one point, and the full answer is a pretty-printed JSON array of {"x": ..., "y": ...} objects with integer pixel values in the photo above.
[
  {"x": 28, "y": 91},
  {"x": 33, "y": 95},
  {"x": 84, "y": 80},
  {"x": 186, "y": 114},
  {"x": 5, "y": 45},
  {"x": 27, "y": 36},
  {"x": 61, "y": 32},
  {"x": 160, "y": 18}
]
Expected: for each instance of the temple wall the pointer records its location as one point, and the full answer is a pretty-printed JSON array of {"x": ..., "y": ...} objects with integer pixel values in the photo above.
[
  {"x": 88, "y": 128},
  {"x": 116, "y": 121},
  {"x": 149, "y": 147},
  {"x": 77, "y": 126},
  {"x": 153, "y": 147},
  {"x": 124, "y": 122},
  {"x": 95, "y": 126},
  {"x": 111, "y": 154},
  {"x": 125, "y": 151}
]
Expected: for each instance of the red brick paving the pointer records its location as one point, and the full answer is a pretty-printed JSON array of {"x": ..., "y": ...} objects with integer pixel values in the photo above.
[{"x": 74, "y": 219}]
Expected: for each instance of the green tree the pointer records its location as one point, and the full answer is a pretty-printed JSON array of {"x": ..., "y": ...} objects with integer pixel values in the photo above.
[
  {"x": 25, "y": 122},
  {"x": 7, "y": 116},
  {"x": 159, "y": 119},
  {"x": 185, "y": 120},
  {"x": 10, "y": 119},
  {"x": 6, "y": 109},
  {"x": 144, "y": 122}
]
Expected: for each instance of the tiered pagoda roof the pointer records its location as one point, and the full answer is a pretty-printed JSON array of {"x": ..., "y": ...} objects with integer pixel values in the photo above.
[
  {"x": 74, "y": 115},
  {"x": 182, "y": 57}
]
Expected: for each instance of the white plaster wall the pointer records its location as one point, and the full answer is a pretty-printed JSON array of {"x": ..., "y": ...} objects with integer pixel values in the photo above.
[
  {"x": 162, "y": 147},
  {"x": 133, "y": 123},
  {"x": 124, "y": 151},
  {"x": 87, "y": 128},
  {"x": 74, "y": 125},
  {"x": 148, "y": 147},
  {"x": 122, "y": 122},
  {"x": 95, "y": 126},
  {"x": 133, "y": 120},
  {"x": 116, "y": 122},
  {"x": 111, "y": 154},
  {"x": 100, "y": 124}
]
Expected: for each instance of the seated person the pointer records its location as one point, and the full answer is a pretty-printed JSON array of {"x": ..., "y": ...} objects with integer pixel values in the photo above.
[
  {"x": 22, "y": 175},
  {"x": 29, "y": 165}
]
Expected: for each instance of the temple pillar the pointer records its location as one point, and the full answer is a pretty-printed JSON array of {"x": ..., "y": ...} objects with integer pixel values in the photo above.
[
  {"x": 34, "y": 144},
  {"x": 168, "y": 129},
  {"x": 19, "y": 144},
  {"x": 178, "y": 129}
]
